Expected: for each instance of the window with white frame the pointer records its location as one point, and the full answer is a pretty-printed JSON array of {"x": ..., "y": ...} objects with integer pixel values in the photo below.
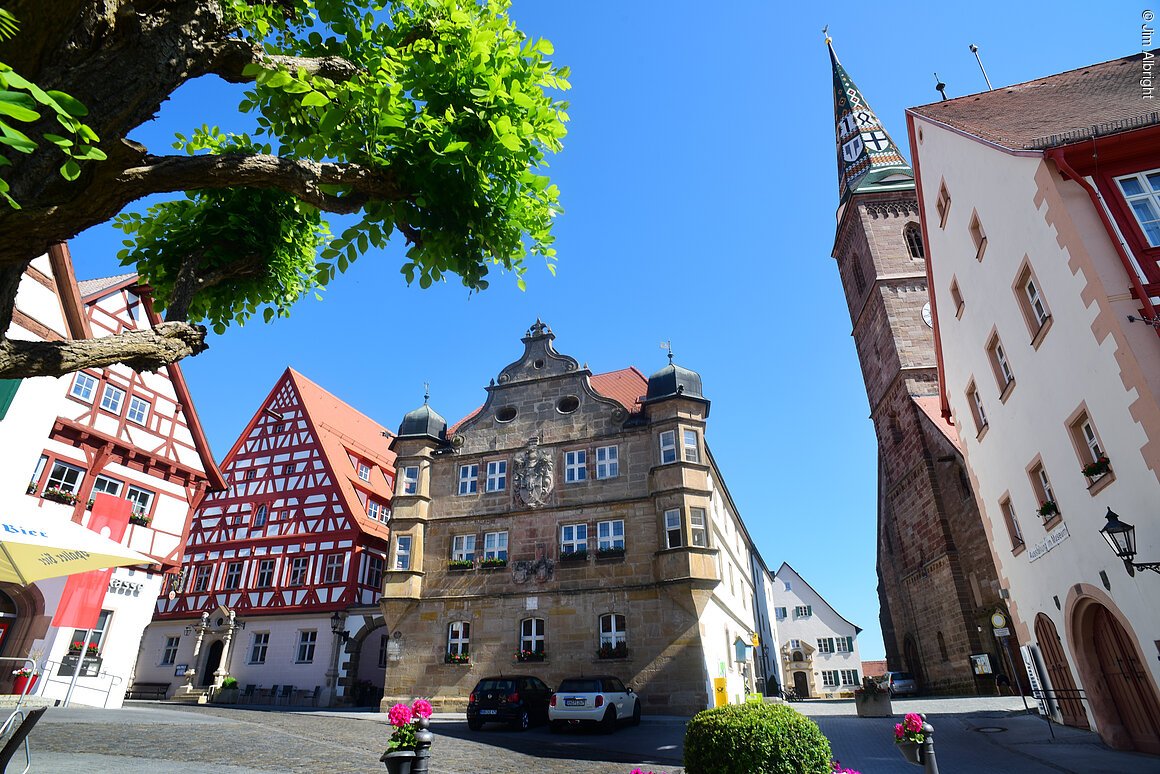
[
  {"x": 825, "y": 645},
  {"x": 674, "y": 534},
  {"x": 668, "y": 442},
  {"x": 97, "y": 637},
  {"x": 532, "y": 635},
  {"x": 975, "y": 402},
  {"x": 307, "y": 640},
  {"x": 795, "y": 644},
  {"x": 1087, "y": 439},
  {"x": 141, "y": 499},
  {"x": 402, "y": 553},
  {"x": 258, "y": 647},
  {"x": 607, "y": 462},
  {"x": 1043, "y": 491},
  {"x": 65, "y": 477},
  {"x": 575, "y": 466},
  {"x": 1142, "y": 193},
  {"x": 803, "y": 611},
  {"x": 298, "y": 567},
  {"x": 375, "y": 566},
  {"x": 260, "y": 516},
  {"x": 692, "y": 449},
  {"x": 496, "y": 476},
  {"x": 468, "y": 479},
  {"x": 233, "y": 578},
  {"x": 204, "y": 574},
  {"x": 830, "y": 677},
  {"x": 1000, "y": 364},
  {"x": 106, "y": 485},
  {"x": 613, "y": 630},
  {"x": 779, "y": 613},
  {"x": 332, "y": 570},
  {"x": 458, "y": 638},
  {"x": 844, "y": 644},
  {"x": 377, "y": 510},
  {"x": 697, "y": 529},
  {"x": 1012, "y": 521},
  {"x": 610, "y": 535},
  {"x": 83, "y": 387},
  {"x": 1031, "y": 301},
  {"x": 463, "y": 547},
  {"x": 169, "y": 652},
  {"x": 850, "y": 677},
  {"x": 265, "y": 577},
  {"x": 411, "y": 480},
  {"x": 573, "y": 538},
  {"x": 495, "y": 545},
  {"x": 364, "y": 471},
  {"x": 138, "y": 410},
  {"x": 111, "y": 399}
]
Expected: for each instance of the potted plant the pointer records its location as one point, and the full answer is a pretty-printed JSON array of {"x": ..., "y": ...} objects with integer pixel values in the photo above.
[
  {"x": 1048, "y": 508},
  {"x": 492, "y": 563},
  {"x": 909, "y": 736},
  {"x": 456, "y": 658},
  {"x": 93, "y": 651},
  {"x": 608, "y": 650},
  {"x": 139, "y": 518},
  {"x": 228, "y": 693},
  {"x": 59, "y": 496},
  {"x": 459, "y": 565},
  {"x": 578, "y": 555},
  {"x": 1091, "y": 470},
  {"x": 530, "y": 655},
  {"x": 24, "y": 680},
  {"x": 401, "y": 747},
  {"x": 872, "y": 700},
  {"x": 609, "y": 553}
]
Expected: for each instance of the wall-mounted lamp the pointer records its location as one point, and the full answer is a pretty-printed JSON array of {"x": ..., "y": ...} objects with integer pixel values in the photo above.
[
  {"x": 1122, "y": 539},
  {"x": 338, "y": 625}
]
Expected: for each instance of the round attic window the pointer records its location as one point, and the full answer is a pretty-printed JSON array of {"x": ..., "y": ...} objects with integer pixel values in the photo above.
[
  {"x": 567, "y": 404},
  {"x": 506, "y": 414}
]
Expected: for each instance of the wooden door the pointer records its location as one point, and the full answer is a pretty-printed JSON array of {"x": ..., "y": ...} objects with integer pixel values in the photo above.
[
  {"x": 212, "y": 661},
  {"x": 801, "y": 685},
  {"x": 1058, "y": 673},
  {"x": 1126, "y": 681}
]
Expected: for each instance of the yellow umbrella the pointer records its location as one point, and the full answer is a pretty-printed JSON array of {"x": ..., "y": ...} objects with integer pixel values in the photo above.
[{"x": 43, "y": 546}]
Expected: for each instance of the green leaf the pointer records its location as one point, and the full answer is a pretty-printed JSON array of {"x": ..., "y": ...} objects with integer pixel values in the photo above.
[
  {"x": 70, "y": 170},
  {"x": 315, "y": 99},
  {"x": 57, "y": 140},
  {"x": 452, "y": 147},
  {"x": 15, "y": 110},
  {"x": 70, "y": 105},
  {"x": 511, "y": 142}
]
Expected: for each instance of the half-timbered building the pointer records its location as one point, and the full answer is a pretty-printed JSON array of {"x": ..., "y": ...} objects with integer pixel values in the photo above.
[
  {"x": 128, "y": 436},
  {"x": 283, "y": 566}
]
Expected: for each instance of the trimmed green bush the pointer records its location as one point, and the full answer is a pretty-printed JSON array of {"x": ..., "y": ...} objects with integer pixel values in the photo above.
[
  {"x": 755, "y": 738},
  {"x": 229, "y": 682}
]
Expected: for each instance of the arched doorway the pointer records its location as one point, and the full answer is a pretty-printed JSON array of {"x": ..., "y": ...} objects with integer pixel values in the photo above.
[
  {"x": 213, "y": 660},
  {"x": 801, "y": 685},
  {"x": 1059, "y": 673},
  {"x": 1123, "y": 677},
  {"x": 913, "y": 662}
]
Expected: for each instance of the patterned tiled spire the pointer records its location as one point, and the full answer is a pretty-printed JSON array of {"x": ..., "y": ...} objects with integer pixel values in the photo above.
[{"x": 868, "y": 160}]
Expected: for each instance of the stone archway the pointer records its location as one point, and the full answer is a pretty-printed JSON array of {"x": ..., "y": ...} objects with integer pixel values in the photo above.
[
  {"x": 1059, "y": 673},
  {"x": 213, "y": 660},
  {"x": 1119, "y": 688}
]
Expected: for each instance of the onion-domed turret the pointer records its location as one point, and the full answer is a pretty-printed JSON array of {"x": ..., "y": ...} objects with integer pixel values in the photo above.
[
  {"x": 424, "y": 422},
  {"x": 673, "y": 381}
]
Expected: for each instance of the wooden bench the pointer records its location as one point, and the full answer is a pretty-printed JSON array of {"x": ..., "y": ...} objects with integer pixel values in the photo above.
[{"x": 148, "y": 691}]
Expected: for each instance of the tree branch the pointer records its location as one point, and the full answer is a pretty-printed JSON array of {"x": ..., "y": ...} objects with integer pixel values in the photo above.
[
  {"x": 146, "y": 350},
  {"x": 299, "y": 177},
  {"x": 234, "y": 54}
]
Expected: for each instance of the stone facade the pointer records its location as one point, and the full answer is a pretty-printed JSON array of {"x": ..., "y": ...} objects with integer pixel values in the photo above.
[{"x": 544, "y": 420}]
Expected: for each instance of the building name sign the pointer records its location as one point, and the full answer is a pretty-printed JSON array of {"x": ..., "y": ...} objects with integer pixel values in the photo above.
[
  {"x": 1054, "y": 538},
  {"x": 128, "y": 588}
]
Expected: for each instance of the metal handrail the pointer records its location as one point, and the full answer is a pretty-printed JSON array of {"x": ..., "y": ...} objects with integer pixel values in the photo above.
[
  {"x": 112, "y": 678},
  {"x": 1051, "y": 698}
]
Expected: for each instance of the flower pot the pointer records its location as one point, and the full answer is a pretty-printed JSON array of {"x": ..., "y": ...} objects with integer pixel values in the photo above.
[
  {"x": 24, "y": 685},
  {"x": 911, "y": 752},
  {"x": 399, "y": 761},
  {"x": 873, "y": 705}
]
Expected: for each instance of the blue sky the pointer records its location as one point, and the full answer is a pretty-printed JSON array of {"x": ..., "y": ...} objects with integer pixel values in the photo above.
[{"x": 698, "y": 182}]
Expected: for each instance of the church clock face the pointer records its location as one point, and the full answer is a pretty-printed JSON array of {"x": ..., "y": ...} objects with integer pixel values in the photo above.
[{"x": 926, "y": 315}]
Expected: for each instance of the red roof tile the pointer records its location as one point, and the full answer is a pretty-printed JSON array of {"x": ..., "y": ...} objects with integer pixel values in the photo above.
[
  {"x": 1098, "y": 99},
  {"x": 932, "y": 407}
]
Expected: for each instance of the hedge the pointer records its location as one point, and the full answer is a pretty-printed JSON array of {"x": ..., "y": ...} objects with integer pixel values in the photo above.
[{"x": 755, "y": 739}]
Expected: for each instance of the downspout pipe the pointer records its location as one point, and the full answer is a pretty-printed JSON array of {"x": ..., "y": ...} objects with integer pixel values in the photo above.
[{"x": 1057, "y": 155}]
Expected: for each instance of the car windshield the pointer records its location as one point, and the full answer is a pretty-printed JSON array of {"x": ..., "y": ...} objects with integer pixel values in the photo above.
[
  {"x": 495, "y": 685},
  {"x": 903, "y": 676},
  {"x": 580, "y": 686}
]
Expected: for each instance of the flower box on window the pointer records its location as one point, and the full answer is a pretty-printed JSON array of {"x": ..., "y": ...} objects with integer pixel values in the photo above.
[
  {"x": 574, "y": 556},
  {"x": 530, "y": 655},
  {"x": 31, "y": 488},
  {"x": 456, "y": 658},
  {"x": 1048, "y": 509},
  {"x": 610, "y": 553},
  {"x": 1094, "y": 469},
  {"x": 140, "y": 518},
  {"x": 608, "y": 650},
  {"x": 75, "y": 647},
  {"x": 460, "y": 565},
  {"x": 492, "y": 563},
  {"x": 59, "y": 496}
]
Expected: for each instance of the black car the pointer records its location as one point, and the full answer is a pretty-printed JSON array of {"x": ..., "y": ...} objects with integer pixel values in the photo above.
[{"x": 518, "y": 700}]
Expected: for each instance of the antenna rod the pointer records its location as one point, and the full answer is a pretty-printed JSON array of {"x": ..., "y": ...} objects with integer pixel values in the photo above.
[{"x": 975, "y": 51}]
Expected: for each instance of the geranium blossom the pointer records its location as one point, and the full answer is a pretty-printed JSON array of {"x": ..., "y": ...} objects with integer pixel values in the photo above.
[
  {"x": 399, "y": 715},
  {"x": 421, "y": 708}
]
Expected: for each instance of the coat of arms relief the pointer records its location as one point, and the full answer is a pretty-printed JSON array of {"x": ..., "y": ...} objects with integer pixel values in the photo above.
[{"x": 534, "y": 476}]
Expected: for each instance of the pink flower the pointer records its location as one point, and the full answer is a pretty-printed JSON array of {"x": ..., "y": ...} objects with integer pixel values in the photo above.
[
  {"x": 421, "y": 708},
  {"x": 913, "y": 722},
  {"x": 399, "y": 715}
]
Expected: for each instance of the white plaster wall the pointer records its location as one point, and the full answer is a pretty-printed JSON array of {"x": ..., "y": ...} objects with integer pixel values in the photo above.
[
  {"x": 1069, "y": 367},
  {"x": 825, "y": 622}
]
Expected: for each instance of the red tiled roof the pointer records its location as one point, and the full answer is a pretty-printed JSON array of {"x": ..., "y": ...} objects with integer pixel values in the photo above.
[
  {"x": 1098, "y": 99},
  {"x": 873, "y": 668},
  {"x": 91, "y": 287},
  {"x": 932, "y": 407}
]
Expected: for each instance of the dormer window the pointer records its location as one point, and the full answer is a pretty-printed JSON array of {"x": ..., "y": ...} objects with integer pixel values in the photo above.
[{"x": 364, "y": 471}]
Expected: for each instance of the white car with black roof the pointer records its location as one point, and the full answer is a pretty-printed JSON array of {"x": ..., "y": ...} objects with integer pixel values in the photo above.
[{"x": 603, "y": 700}]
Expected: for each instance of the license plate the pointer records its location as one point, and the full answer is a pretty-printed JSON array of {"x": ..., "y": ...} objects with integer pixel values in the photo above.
[
  {"x": 573, "y": 702},
  {"x": 488, "y": 712}
]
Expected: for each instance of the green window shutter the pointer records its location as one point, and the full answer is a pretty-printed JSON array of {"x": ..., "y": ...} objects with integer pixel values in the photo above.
[
  {"x": 8, "y": 389},
  {"x": 850, "y": 644},
  {"x": 830, "y": 642}
]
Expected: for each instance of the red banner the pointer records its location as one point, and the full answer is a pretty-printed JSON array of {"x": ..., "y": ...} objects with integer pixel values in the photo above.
[{"x": 84, "y": 593}]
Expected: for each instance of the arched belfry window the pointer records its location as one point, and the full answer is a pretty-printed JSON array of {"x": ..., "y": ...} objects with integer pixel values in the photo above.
[{"x": 913, "y": 236}]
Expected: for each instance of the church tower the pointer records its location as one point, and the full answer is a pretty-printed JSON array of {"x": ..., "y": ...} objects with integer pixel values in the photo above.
[{"x": 937, "y": 584}]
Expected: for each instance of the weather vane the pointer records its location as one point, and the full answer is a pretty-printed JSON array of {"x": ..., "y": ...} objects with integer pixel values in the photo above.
[{"x": 668, "y": 345}]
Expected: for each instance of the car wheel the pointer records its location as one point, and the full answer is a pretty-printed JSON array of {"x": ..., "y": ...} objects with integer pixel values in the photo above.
[
  {"x": 608, "y": 724},
  {"x": 474, "y": 724},
  {"x": 636, "y": 714},
  {"x": 556, "y": 726},
  {"x": 521, "y": 722}
]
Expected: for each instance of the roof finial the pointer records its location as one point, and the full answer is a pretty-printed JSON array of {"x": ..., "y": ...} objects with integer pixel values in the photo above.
[
  {"x": 426, "y": 392},
  {"x": 826, "y": 32},
  {"x": 940, "y": 87},
  {"x": 669, "y": 346}
]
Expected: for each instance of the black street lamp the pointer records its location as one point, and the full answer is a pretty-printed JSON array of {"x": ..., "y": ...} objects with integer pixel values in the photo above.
[
  {"x": 338, "y": 624},
  {"x": 1121, "y": 538}
]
